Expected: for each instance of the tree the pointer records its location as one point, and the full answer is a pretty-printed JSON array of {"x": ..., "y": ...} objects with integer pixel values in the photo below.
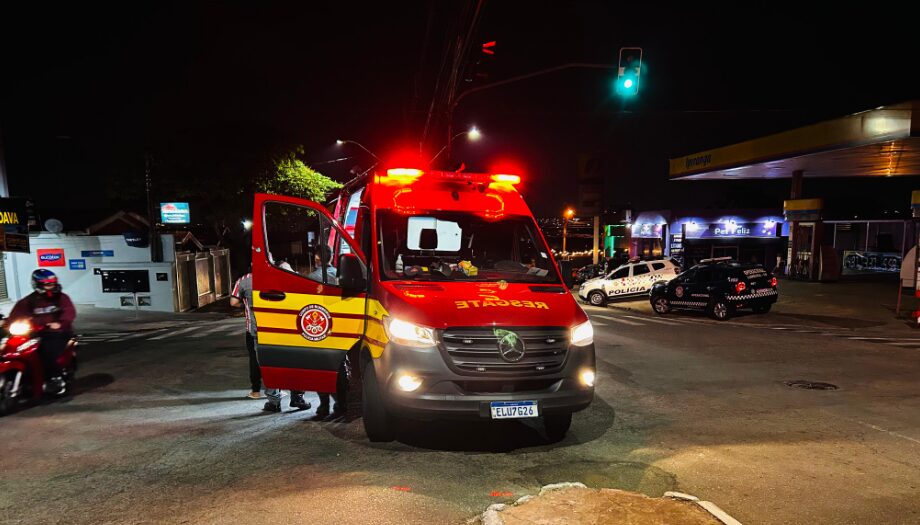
[{"x": 290, "y": 176}]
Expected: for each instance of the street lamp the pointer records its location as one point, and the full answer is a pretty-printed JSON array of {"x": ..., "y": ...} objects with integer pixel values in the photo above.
[
  {"x": 247, "y": 224},
  {"x": 566, "y": 215},
  {"x": 341, "y": 142},
  {"x": 473, "y": 134}
]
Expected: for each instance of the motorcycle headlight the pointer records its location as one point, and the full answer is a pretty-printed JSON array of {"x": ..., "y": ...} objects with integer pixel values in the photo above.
[
  {"x": 20, "y": 328},
  {"x": 408, "y": 334},
  {"x": 583, "y": 334}
]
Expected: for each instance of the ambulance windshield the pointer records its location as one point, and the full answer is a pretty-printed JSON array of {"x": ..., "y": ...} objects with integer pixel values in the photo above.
[{"x": 440, "y": 246}]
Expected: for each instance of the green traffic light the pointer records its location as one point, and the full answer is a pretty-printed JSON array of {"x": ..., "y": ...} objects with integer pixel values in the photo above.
[{"x": 628, "y": 83}]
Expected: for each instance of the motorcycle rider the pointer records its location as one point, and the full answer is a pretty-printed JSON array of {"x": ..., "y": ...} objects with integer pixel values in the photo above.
[{"x": 51, "y": 314}]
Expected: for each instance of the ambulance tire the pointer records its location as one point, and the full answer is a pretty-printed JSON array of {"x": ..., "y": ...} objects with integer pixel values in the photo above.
[
  {"x": 597, "y": 298},
  {"x": 378, "y": 424},
  {"x": 557, "y": 426}
]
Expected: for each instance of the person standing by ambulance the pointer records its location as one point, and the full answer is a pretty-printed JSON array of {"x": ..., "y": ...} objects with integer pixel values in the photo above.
[{"x": 242, "y": 296}]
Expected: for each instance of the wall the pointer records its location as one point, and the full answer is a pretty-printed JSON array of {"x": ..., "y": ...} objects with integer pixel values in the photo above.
[{"x": 85, "y": 286}]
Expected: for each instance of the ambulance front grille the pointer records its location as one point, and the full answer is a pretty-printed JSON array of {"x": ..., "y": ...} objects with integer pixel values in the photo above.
[{"x": 475, "y": 350}]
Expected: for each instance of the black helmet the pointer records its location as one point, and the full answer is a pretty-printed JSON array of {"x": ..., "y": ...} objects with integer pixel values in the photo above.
[{"x": 41, "y": 277}]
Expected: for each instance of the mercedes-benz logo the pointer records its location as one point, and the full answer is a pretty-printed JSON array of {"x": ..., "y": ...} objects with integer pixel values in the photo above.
[{"x": 510, "y": 345}]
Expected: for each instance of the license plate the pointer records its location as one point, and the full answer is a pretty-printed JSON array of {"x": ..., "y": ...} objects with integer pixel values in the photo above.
[
  {"x": 764, "y": 290},
  {"x": 514, "y": 409}
]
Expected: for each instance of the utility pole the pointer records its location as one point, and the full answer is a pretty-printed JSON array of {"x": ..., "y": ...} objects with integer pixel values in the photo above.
[
  {"x": 156, "y": 249},
  {"x": 4, "y": 188}
]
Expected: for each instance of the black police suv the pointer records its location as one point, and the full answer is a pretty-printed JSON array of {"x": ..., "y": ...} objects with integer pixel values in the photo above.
[{"x": 718, "y": 286}]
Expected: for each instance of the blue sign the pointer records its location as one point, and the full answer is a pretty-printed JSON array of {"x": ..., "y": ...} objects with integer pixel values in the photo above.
[
  {"x": 174, "y": 213},
  {"x": 97, "y": 253},
  {"x": 77, "y": 264}
]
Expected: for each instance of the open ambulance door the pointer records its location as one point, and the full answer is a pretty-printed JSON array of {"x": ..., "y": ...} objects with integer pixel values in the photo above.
[{"x": 309, "y": 284}]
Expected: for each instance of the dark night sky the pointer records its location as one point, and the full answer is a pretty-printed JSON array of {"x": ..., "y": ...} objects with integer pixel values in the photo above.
[{"x": 86, "y": 90}]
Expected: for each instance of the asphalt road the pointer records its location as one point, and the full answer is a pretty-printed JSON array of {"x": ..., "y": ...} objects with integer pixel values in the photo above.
[{"x": 159, "y": 432}]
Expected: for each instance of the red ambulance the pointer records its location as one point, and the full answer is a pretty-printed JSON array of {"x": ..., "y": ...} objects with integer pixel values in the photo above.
[{"x": 446, "y": 301}]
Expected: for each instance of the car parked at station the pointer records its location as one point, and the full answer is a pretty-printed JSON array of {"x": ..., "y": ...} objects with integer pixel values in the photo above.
[
  {"x": 718, "y": 286},
  {"x": 631, "y": 279}
]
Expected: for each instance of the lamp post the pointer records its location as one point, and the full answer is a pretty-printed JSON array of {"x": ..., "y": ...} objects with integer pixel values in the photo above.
[
  {"x": 341, "y": 142},
  {"x": 568, "y": 214},
  {"x": 473, "y": 134}
]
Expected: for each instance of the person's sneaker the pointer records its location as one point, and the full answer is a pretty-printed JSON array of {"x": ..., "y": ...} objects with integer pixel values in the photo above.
[
  {"x": 254, "y": 395},
  {"x": 271, "y": 407},
  {"x": 299, "y": 403}
]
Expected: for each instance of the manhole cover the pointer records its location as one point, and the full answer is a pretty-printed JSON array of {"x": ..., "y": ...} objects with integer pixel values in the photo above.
[{"x": 810, "y": 385}]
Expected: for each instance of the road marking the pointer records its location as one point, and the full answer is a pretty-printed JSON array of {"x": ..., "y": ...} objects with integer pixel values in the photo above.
[
  {"x": 651, "y": 320},
  {"x": 139, "y": 334},
  {"x": 175, "y": 333},
  {"x": 890, "y": 432},
  {"x": 595, "y": 323},
  {"x": 210, "y": 331},
  {"x": 618, "y": 320}
]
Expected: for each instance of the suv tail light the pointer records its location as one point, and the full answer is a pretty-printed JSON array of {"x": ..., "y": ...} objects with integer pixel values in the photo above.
[
  {"x": 773, "y": 282},
  {"x": 739, "y": 287}
]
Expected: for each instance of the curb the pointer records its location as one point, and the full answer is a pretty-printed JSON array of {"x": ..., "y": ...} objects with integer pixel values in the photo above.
[
  {"x": 708, "y": 506},
  {"x": 492, "y": 514}
]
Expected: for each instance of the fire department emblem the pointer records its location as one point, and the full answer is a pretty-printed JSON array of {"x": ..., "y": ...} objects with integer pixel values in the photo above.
[
  {"x": 315, "y": 322},
  {"x": 679, "y": 291}
]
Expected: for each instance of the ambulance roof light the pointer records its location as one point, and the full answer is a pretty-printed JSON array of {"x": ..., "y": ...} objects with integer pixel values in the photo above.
[
  {"x": 507, "y": 178},
  {"x": 404, "y": 172}
]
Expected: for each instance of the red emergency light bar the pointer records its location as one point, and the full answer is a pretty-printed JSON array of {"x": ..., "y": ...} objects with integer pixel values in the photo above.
[{"x": 412, "y": 173}]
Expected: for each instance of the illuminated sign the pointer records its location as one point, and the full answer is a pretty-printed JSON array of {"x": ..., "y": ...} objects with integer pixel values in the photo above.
[
  {"x": 647, "y": 231},
  {"x": 731, "y": 230},
  {"x": 174, "y": 213},
  {"x": 14, "y": 227}
]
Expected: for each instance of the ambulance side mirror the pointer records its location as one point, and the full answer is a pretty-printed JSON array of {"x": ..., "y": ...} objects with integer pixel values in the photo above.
[{"x": 351, "y": 273}]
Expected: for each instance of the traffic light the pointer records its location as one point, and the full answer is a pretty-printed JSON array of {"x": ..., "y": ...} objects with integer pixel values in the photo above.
[{"x": 630, "y": 68}]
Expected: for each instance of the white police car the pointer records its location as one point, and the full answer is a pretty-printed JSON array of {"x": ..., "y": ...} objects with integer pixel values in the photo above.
[{"x": 635, "y": 278}]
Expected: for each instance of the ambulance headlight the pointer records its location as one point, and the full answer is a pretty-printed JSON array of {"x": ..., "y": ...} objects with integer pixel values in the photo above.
[
  {"x": 408, "y": 334},
  {"x": 583, "y": 334},
  {"x": 408, "y": 382}
]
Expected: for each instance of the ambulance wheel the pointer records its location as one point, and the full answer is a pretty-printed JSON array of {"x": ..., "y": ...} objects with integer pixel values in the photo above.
[
  {"x": 762, "y": 309},
  {"x": 720, "y": 310},
  {"x": 597, "y": 298},
  {"x": 661, "y": 305},
  {"x": 557, "y": 426},
  {"x": 378, "y": 424}
]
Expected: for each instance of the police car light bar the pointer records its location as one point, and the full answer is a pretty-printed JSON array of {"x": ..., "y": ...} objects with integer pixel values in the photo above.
[{"x": 715, "y": 259}]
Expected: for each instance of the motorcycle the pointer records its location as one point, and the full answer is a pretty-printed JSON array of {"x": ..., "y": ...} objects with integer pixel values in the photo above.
[{"x": 22, "y": 377}]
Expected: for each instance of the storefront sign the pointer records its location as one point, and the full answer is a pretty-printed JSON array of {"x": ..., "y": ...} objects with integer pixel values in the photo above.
[
  {"x": 174, "y": 213},
  {"x": 732, "y": 230},
  {"x": 647, "y": 231},
  {"x": 77, "y": 264},
  {"x": 136, "y": 239},
  {"x": 14, "y": 226},
  {"x": 97, "y": 253},
  {"x": 51, "y": 257},
  {"x": 803, "y": 209}
]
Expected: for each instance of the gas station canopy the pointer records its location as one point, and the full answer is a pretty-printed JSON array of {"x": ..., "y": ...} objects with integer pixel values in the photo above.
[{"x": 882, "y": 142}]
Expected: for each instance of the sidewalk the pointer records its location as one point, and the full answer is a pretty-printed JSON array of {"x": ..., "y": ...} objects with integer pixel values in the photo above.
[
  {"x": 93, "y": 319},
  {"x": 848, "y": 305}
]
